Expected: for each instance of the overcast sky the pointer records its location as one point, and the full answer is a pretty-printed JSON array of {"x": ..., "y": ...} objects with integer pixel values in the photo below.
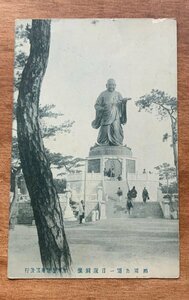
[{"x": 140, "y": 54}]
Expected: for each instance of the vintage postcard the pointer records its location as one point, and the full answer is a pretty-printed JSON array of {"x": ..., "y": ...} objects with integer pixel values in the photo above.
[{"x": 94, "y": 189}]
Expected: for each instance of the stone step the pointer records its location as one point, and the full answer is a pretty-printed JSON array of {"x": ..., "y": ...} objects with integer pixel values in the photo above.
[
  {"x": 146, "y": 210},
  {"x": 117, "y": 209}
]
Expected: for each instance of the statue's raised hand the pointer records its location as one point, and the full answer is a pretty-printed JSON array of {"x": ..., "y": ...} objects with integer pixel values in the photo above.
[{"x": 124, "y": 100}]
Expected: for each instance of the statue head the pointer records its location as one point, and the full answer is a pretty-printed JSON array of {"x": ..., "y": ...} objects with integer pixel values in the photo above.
[{"x": 111, "y": 85}]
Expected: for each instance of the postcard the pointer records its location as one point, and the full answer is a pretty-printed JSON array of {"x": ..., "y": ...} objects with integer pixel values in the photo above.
[{"x": 94, "y": 171}]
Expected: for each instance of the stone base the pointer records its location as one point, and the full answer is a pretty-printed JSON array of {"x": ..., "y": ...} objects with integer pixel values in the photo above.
[
  {"x": 108, "y": 168},
  {"x": 110, "y": 150}
]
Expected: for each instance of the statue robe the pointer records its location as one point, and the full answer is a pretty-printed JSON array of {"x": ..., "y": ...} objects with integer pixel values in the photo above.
[{"x": 110, "y": 115}]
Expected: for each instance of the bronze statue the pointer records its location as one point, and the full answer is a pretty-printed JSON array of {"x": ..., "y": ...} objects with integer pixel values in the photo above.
[{"x": 111, "y": 114}]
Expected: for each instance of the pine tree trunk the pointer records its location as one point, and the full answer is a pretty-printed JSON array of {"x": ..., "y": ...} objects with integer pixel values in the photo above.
[{"x": 53, "y": 245}]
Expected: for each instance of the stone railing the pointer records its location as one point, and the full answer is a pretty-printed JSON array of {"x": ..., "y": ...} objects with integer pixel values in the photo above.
[
  {"x": 75, "y": 177},
  {"x": 94, "y": 176},
  {"x": 142, "y": 176}
]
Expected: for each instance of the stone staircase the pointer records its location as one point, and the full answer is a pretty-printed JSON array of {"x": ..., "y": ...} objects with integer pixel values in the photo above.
[
  {"x": 147, "y": 210},
  {"x": 117, "y": 209}
]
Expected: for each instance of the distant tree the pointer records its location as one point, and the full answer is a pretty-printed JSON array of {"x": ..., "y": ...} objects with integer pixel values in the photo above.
[
  {"x": 68, "y": 163},
  {"x": 172, "y": 188},
  {"x": 53, "y": 245},
  {"x": 166, "y": 174},
  {"x": 166, "y": 107}
]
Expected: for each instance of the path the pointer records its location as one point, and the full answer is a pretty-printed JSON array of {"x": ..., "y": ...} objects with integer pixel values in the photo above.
[{"x": 151, "y": 243}]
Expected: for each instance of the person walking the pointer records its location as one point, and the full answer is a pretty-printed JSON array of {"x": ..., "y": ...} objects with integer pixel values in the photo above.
[
  {"x": 145, "y": 195},
  {"x": 133, "y": 193},
  {"x": 129, "y": 202}
]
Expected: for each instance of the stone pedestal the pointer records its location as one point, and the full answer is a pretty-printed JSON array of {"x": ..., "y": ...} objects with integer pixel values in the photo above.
[
  {"x": 111, "y": 162},
  {"x": 106, "y": 169}
]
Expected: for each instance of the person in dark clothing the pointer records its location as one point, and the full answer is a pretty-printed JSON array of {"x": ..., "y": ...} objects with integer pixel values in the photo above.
[
  {"x": 129, "y": 202},
  {"x": 145, "y": 195},
  {"x": 109, "y": 173},
  {"x": 119, "y": 177},
  {"x": 133, "y": 193},
  {"x": 119, "y": 193},
  {"x": 112, "y": 172},
  {"x": 81, "y": 211}
]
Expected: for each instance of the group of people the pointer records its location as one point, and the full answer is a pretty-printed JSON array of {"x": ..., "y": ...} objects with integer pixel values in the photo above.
[
  {"x": 131, "y": 195},
  {"x": 110, "y": 173},
  {"x": 144, "y": 171}
]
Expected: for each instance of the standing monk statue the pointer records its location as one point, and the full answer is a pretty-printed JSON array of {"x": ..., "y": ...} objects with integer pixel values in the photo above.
[{"x": 111, "y": 114}]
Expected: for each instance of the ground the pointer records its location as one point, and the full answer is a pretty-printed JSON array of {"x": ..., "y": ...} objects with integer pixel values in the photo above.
[{"x": 125, "y": 247}]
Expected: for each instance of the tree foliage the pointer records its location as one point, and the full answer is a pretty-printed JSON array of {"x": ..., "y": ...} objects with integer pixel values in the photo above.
[
  {"x": 166, "y": 171},
  {"x": 157, "y": 100},
  {"x": 68, "y": 163},
  {"x": 168, "y": 178},
  {"x": 47, "y": 130},
  {"x": 165, "y": 107},
  {"x": 172, "y": 188}
]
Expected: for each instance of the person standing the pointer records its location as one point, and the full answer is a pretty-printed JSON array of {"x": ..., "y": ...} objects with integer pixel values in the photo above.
[
  {"x": 119, "y": 177},
  {"x": 145, "y": 195},
  {"x": 109, "y": 173},
  {"x": 105, "y": 172},
  {"x": 119, "y": 193},
  {"x": 112, "y": 173},
  {"x": 81, "y": 212}
]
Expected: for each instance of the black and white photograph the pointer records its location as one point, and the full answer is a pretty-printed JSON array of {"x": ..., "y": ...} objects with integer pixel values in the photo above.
[{"x": 94, "y": 167}]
